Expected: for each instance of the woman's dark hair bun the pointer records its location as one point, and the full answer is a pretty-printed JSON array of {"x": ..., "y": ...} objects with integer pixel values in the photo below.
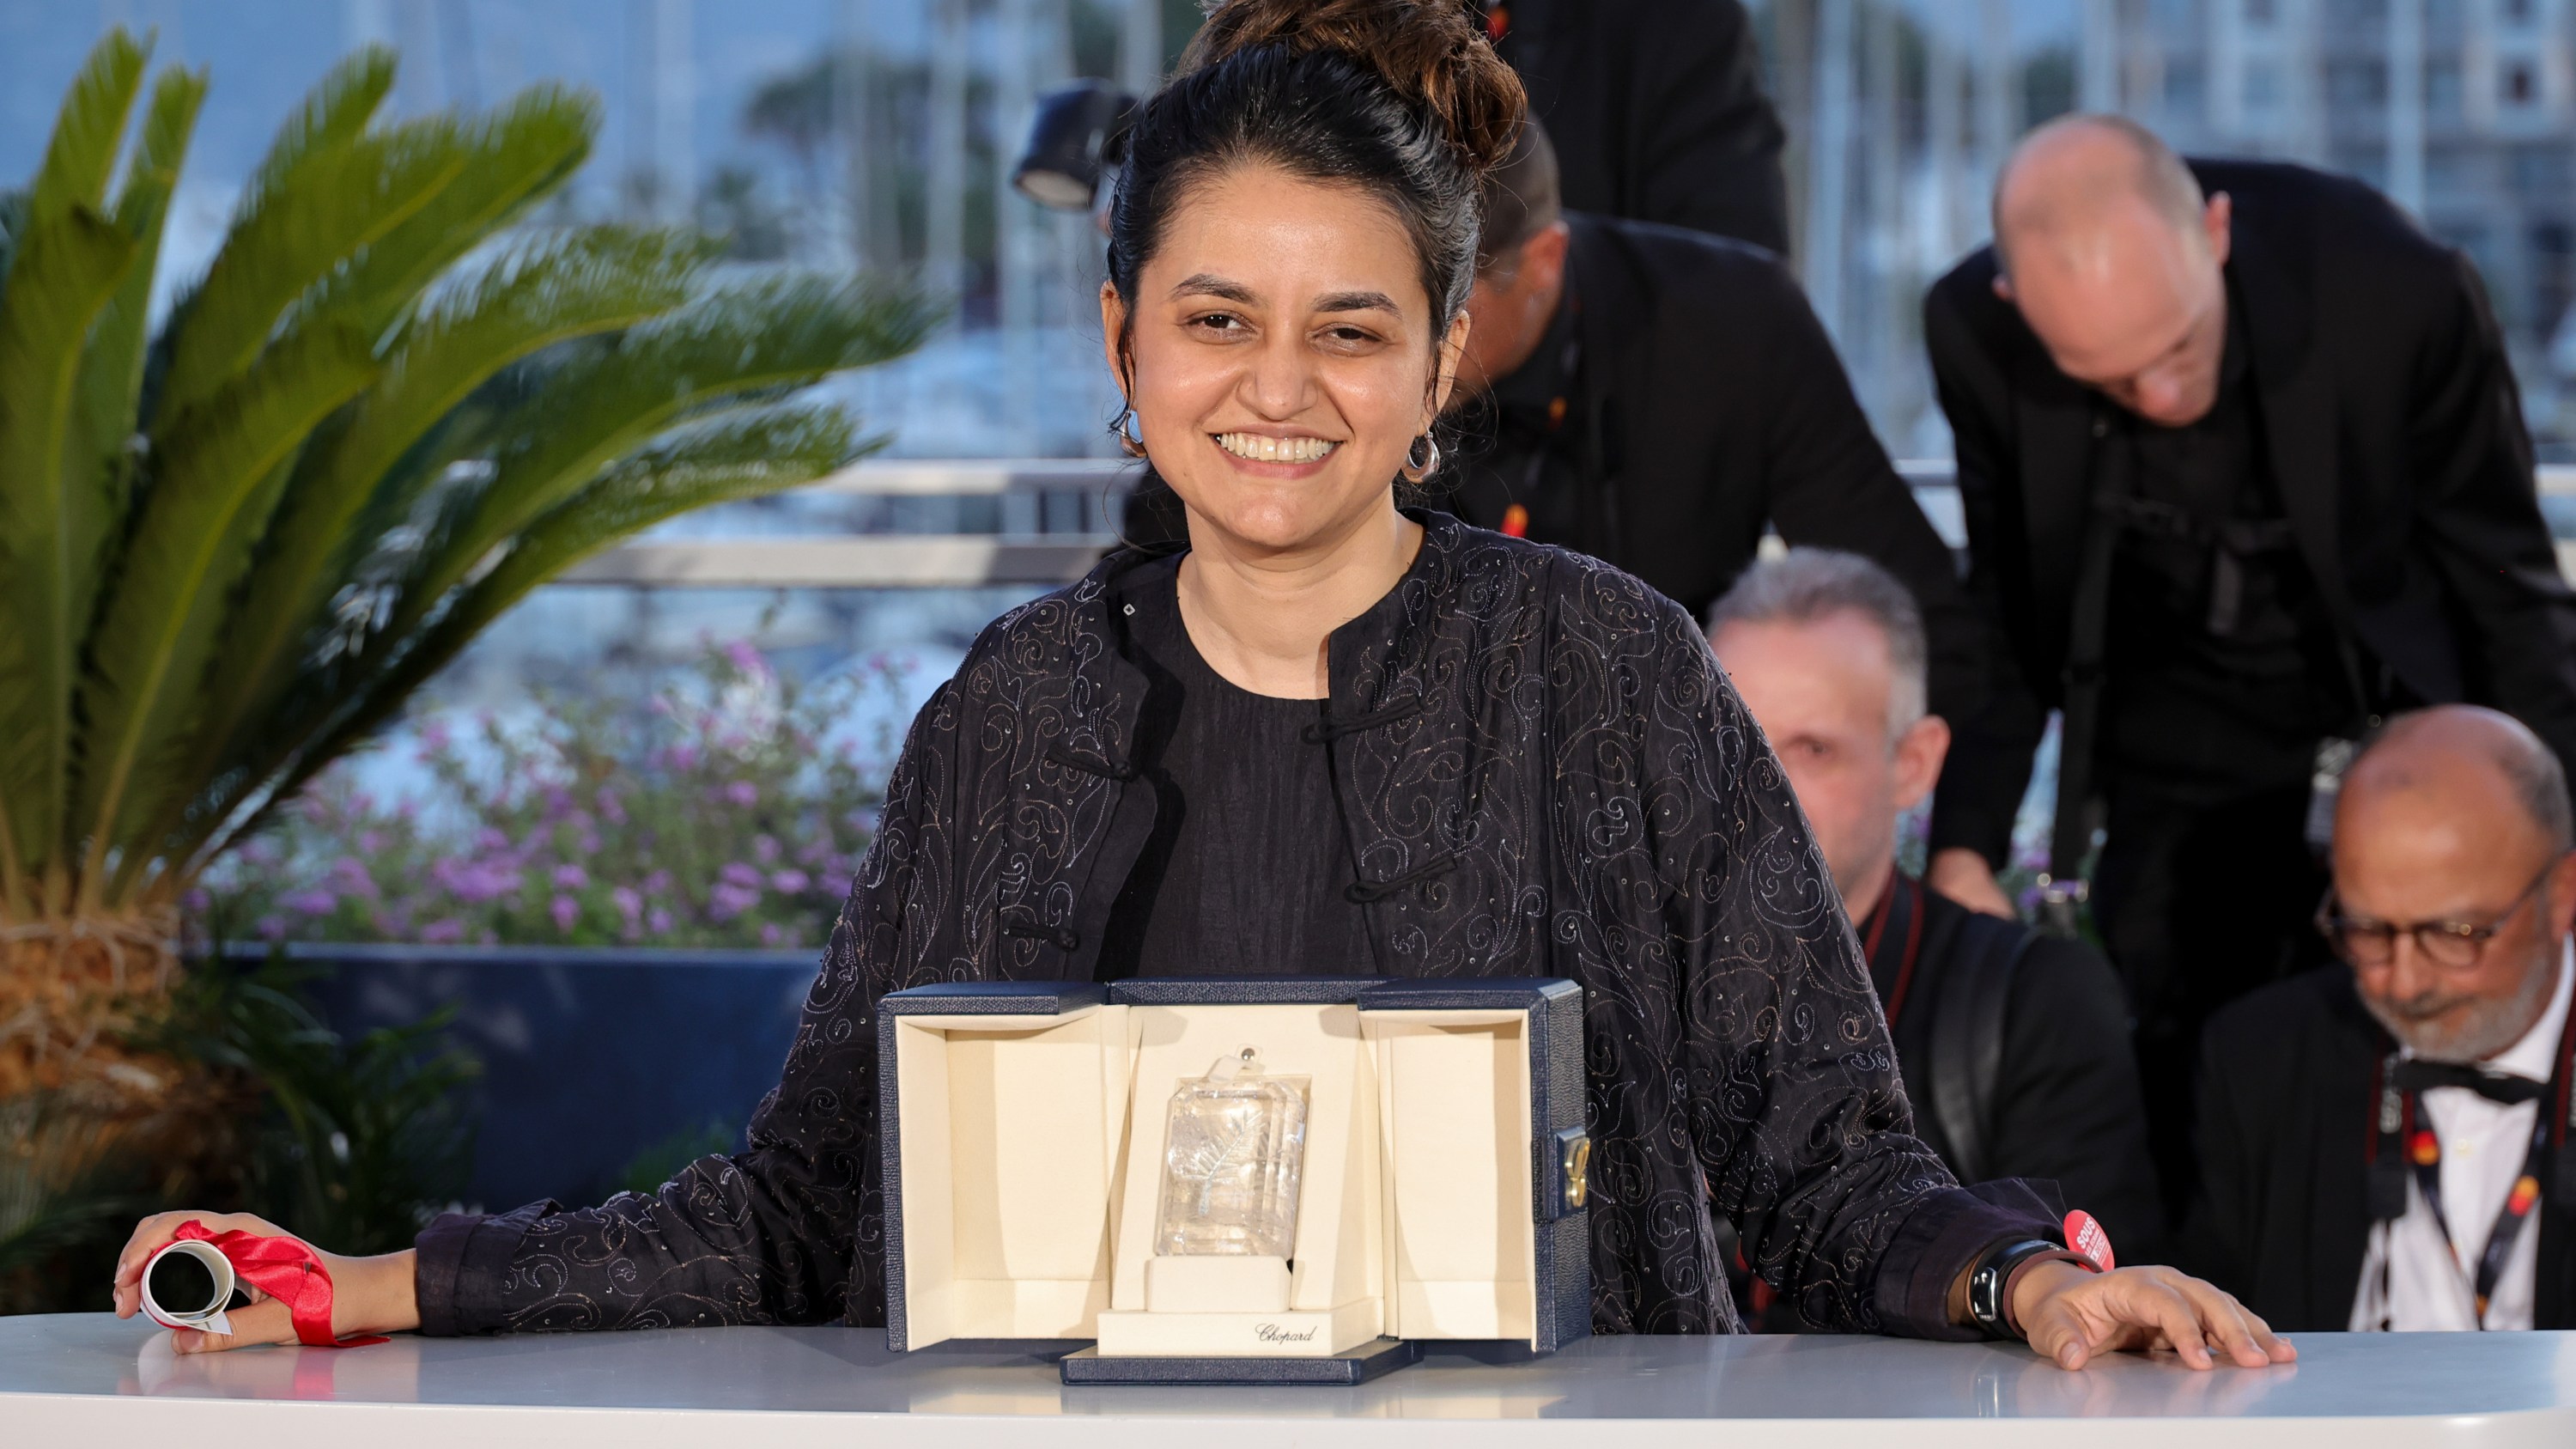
[{"x": 1431, "y": 53}]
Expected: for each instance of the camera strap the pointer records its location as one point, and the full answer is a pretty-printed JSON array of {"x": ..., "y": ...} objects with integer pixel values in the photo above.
[{"x": 2062, "y": 890}]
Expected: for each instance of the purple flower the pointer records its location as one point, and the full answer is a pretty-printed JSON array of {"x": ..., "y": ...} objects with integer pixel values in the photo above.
[
  {"x": 658, "y": 883},
  {"x": 349, "y": 876},
  {"x": 566, "y": 910},
  {"x": 770, "y": 935},
  {"x": 628, "y": 903},
  {"x": 765, "y": 848},
  {"x": 571, "y": 877},
  {"x": 611, "y": 809},
  {"x": 682, "y": 758},
  {"x": 739, "y": 874},
  {"x": 434, "y": 738},
  {"x": 316, "y": 902},
  {"x": 745, "y": 658},
  {"x": 474, "y": 881},
  {"x": 197, "y": 900},
  {"x": 488, "y": 838},
  {"x": 789, "y": 882},
  {"x": 443, "y": 933},
  {"x": 743, "y": 793},
  {"x": 659, "y": 922},
  {"x": 728, "y": 900},
  {"x": 272, "y": 928}
]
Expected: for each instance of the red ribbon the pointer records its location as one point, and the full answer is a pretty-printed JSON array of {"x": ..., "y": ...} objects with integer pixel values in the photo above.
[{"x": 285, "y": 1270}]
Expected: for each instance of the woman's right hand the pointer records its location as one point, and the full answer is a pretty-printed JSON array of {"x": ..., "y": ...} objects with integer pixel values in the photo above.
[{"x": 369, "y": 1295}]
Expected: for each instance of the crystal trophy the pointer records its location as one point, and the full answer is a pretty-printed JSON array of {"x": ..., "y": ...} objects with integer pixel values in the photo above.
[{"x": 1236, "y": 1141}]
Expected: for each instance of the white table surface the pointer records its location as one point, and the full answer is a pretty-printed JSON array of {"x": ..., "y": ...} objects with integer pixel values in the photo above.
[{"x": 92, "y": 1380}]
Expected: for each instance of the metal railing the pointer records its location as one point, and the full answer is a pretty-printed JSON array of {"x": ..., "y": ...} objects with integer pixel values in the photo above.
[{"x": 1027, "y": 550}]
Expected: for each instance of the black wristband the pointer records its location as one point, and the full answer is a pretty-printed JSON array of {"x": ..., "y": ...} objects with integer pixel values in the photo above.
[{"x": 1988, "y": 1307}]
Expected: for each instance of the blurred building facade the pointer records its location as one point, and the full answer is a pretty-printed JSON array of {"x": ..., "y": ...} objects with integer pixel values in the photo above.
[{"x": 879, "y": 133}]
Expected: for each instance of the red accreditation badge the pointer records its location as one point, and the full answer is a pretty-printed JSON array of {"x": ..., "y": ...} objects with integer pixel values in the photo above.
[{"x": 2084, "y": 1235}]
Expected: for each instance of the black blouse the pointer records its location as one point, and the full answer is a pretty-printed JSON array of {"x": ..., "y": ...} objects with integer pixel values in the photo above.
[{"x": 1248, "y": 871}]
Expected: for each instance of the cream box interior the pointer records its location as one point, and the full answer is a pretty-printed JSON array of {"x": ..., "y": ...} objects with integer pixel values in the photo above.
[{"x": 1029, "y": 1151}]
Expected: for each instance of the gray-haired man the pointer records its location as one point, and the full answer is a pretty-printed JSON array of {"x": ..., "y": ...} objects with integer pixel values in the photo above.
[{"x": 2014, "y": 1047}]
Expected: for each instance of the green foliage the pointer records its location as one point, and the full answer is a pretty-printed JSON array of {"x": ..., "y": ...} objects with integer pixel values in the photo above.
[
  {"x": 66, "y": 1202},
  {"x": 357, "y": 1143},
  {"x": 389, "y": 409}
]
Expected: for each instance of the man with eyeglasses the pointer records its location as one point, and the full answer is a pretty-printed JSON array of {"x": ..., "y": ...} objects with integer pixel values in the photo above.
[{"x": 2384, "y": 1143}]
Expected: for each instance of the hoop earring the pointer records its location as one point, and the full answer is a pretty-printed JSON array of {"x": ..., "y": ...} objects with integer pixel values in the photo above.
[
  {"x": 1416, "y": 471},
  {"x": 1131, "y": 444}
]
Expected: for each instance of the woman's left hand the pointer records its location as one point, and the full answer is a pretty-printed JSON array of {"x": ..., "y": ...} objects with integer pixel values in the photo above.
[{"x": 2070, "y": 1314}]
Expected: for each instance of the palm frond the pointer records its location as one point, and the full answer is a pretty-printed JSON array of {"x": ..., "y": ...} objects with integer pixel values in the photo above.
[
  {"x": 746, "y": 453},
  {"x": 52, "y": 520},
  {"x": 220, "y": 470},
  {"x": 526, "y": 298},
  {"x": 291, "y": 240},
  {"x": 112, "y": 374},
  {"x": 773, "y": 333},
  {"x": 513, "y": 157},
  {"x": 80, "y": 157},
  {"x": 549, "y": 289},
  {"x": 333, "y": 114},
  {"x": 64, "y": 265},
  {"x": 726, "y": 457}
]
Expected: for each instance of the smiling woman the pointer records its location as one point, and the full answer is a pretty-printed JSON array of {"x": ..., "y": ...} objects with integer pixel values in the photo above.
[
  {"x": 1289, "y": 262},
  {"x": 1339, "y": 737}
]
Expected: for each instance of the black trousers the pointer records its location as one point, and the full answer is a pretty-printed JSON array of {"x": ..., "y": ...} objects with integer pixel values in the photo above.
[{"x": 2199, "y": 902}]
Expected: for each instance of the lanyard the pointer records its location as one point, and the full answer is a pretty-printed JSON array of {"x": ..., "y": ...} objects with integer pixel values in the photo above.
[
  {"x": 1913, "y": 889},
  {"x": 2405, "y": 1139},
  {"x": 2424, "y": 1153},
  {"x": 1516, "y": 517}
]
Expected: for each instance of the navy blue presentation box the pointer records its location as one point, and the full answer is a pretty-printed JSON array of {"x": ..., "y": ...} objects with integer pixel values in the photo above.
[{"x": 1445, "y": 1170}]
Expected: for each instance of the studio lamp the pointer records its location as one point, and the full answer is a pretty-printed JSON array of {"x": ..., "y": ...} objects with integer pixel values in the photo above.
[{"x": 1063, "y": 162}]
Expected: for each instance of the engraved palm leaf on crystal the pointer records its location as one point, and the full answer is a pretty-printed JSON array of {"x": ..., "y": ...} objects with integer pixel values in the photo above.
[{"x": 1234, "y": 1148}]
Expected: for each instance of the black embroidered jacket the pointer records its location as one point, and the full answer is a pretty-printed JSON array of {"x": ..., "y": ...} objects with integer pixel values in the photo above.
[{"x": 1544, "y": 773}]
